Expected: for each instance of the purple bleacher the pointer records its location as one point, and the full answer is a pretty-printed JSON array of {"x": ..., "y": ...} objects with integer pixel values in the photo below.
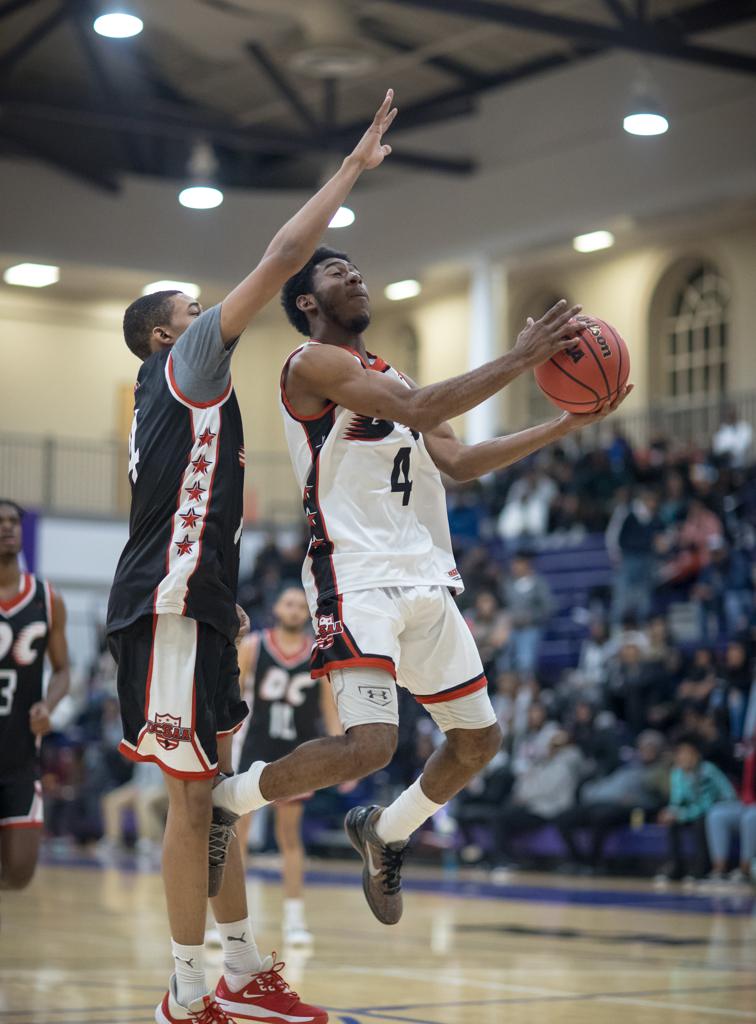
[{"x": 572, "y": 573}]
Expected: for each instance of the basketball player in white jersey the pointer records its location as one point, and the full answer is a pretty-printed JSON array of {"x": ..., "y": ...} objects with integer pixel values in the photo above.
[{"x": 368, "y": 448}]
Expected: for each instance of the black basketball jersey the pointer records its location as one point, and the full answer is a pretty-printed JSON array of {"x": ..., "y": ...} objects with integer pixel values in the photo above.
[
  {"x": 24, "y": 628},
  {"x": 186, "y": 469},
  {"x": 285, "y": 702}
]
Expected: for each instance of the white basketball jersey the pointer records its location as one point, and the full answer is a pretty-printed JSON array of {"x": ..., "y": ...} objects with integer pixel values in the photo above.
[{"x": 373, "y": 497}]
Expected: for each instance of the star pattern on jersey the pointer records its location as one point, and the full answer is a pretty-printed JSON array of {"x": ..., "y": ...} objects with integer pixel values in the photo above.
[
  {"x": 311, "y": 518},
  {"x": 185, "y": 546},
  {"x": 189, "y": 519},
  {"x": 201, "y": 465},
  {"x": 195, "y": 492},
  {"x": 205, "y": 437}
]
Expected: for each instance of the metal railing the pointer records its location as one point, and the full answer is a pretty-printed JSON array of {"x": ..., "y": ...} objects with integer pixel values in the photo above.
[{"x": 90, "y": 477}]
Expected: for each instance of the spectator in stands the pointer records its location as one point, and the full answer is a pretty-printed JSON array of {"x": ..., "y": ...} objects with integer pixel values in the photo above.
[
  {"x": 639, "y": 787},
  {"x": 595, "y": 651},
  {"x": 595, "y": 737},
  {"x": 733, "y": 439},
  {"x": 526, "y": 511},
  {"x": 633, "y": 686},
  {"x": 726, "y": 823},
  {"x": 692, "y": 544},
  {"x": 490, "y": 628},
  {"x": 528, "y": 602},
  {"x": 636, "y": 543},
  {"x": 540, "y": 794},
  {"x": 511, "y": 703},
  {"x": 532, "y": 746},
  {"x": 737, "y": 673},
  {"x": 674, "y": 503},
  {"x": 146, "y": 797},
  {"x": 695, "y": 787}
]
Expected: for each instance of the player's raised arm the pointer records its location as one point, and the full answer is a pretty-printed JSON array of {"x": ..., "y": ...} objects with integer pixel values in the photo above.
[
  {"x": 462, "y": 461},
  {"x": 329, "y": 373},
  {"x": 295, "y": 242},
  {"x": 60, "y": 680}
]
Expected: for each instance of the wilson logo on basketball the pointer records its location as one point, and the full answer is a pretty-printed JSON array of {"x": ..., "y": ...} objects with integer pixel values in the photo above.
[
  {"x": 168, "y": 731},
  {"x": 595, "y": 330}
]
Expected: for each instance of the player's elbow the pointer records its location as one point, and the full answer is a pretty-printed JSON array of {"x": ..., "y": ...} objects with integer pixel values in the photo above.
[{"x": 417, "y": 416}]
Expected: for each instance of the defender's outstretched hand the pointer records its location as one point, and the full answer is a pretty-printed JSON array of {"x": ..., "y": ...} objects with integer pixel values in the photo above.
[
  {"x": 576, "y": 420},
  {"x": 541, "y": 339},
  {"x": 370, "y": 151}
]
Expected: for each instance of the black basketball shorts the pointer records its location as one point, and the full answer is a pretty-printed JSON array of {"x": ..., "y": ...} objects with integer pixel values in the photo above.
[
  {"x": 178, "y": 685},
  {"x": 20, "y": 802}
]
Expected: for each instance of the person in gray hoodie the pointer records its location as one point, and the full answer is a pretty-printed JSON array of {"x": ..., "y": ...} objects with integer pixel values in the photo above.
[
  {"x": 605, "y": 804},
  {"x": 540, "y": 794}
]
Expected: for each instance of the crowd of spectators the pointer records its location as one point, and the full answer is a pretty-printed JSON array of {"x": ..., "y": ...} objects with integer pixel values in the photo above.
[{"x": 642, "y": 727}]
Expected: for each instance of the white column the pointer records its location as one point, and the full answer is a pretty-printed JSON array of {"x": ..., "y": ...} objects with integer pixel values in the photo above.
[{"x": 488, "y": 318}]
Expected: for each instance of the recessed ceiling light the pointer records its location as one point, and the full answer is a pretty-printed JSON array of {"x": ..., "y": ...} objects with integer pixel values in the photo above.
[
  {"x": 118, "y": 25},
  {"x": 179, "y": 286},
  {"x": 645, "y": 122},
  {"x": 201, "y": 197},
  {"x": 342, "y": 218},
  {"x": 402, "y": 290},
  {"x": 592, "y": 241},
  {"x": 32, "y": 275}
]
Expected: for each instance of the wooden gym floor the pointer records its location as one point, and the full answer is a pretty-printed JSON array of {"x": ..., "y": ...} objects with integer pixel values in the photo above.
[{"x": 88, "y": 945}]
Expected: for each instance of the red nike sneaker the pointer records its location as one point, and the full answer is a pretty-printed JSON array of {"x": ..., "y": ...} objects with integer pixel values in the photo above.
[{"x": 267, "y": 998}]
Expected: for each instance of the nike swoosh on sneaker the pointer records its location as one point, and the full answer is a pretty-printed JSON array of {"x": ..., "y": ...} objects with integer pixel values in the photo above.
[
  {"x": 374, "y": 871},
  {"x": 242, "y": 1010}
]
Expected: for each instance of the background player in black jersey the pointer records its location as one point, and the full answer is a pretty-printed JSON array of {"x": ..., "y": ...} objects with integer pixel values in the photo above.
[
  {"x": 288, "y": 707},
  {"x": 172, "y": 617},
  {"x": 32, "y": 624}
]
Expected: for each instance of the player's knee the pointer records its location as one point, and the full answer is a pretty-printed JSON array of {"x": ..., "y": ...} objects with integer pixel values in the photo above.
[
  {"x": 16, "y": 875},
  {"x": 192, "y": 802},
  {"x": 474, "y": 748},
  {"x": 373, "y": 747}
]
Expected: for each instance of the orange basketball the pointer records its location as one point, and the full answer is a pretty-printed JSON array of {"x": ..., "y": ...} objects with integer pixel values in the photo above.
[{"x": 593, "y": 371}]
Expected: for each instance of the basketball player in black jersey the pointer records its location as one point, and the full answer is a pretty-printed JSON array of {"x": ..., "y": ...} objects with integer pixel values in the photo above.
[
  {"x": 288, "y": 708},
  {"x": 32, "y": 625},
  {"x": 172, "y": 618}
]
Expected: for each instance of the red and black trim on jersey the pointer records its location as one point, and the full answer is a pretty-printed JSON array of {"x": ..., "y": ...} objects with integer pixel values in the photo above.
[
  {"x": 453, "y": 692},
  {"x": 335, "y": 646}
]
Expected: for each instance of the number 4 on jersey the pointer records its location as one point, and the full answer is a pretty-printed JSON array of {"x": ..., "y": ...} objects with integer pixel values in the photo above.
[{"x": 402, "y": 466}]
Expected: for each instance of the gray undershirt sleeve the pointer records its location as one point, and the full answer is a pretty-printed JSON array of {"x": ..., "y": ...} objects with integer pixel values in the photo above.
[{"x": 201, "y": 362}]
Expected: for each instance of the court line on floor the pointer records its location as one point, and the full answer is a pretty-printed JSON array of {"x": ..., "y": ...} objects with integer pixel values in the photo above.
[
  {"x": 548, "y": 995},
  {"x": 471, "y": 888}
]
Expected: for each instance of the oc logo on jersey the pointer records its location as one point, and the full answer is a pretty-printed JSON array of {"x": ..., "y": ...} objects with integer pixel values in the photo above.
[{"x": 22, "y": 651}]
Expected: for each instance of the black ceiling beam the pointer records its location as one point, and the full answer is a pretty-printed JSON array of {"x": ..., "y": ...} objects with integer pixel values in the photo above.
[
  {"x": 374, "y": 30},
  {"x": 460, "y": 101},
  {"x": 101, "y": 178},
  {"x": 11, "y": 6},
  {"x": 620, "y": 12},
  {"x": 330, "y": 100},
  {"x": 275, "y": 75},
  {"x": 649, "y": 39},
  {"x": 429, "y": 162},
  {"x": 235, "y": 138},
  {"x": 711, "y": 14},
  {"x": 34, "y": 36}
]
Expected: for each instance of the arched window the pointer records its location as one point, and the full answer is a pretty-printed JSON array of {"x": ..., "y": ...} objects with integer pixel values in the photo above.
[{"x": 692, "y": 361}]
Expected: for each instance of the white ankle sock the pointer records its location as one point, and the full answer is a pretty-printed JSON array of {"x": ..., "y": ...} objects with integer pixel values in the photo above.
[
  {"x": 411, "y": 808},
  {"x": 241, "y": 957},
  {"x": 293, "y": 914},
  {"x": 190, "y": 972},
  {"x": 241, "y": 793}
]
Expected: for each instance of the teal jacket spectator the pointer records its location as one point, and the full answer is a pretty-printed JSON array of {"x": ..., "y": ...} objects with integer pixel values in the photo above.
[{"x": 692, "y": 793}]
